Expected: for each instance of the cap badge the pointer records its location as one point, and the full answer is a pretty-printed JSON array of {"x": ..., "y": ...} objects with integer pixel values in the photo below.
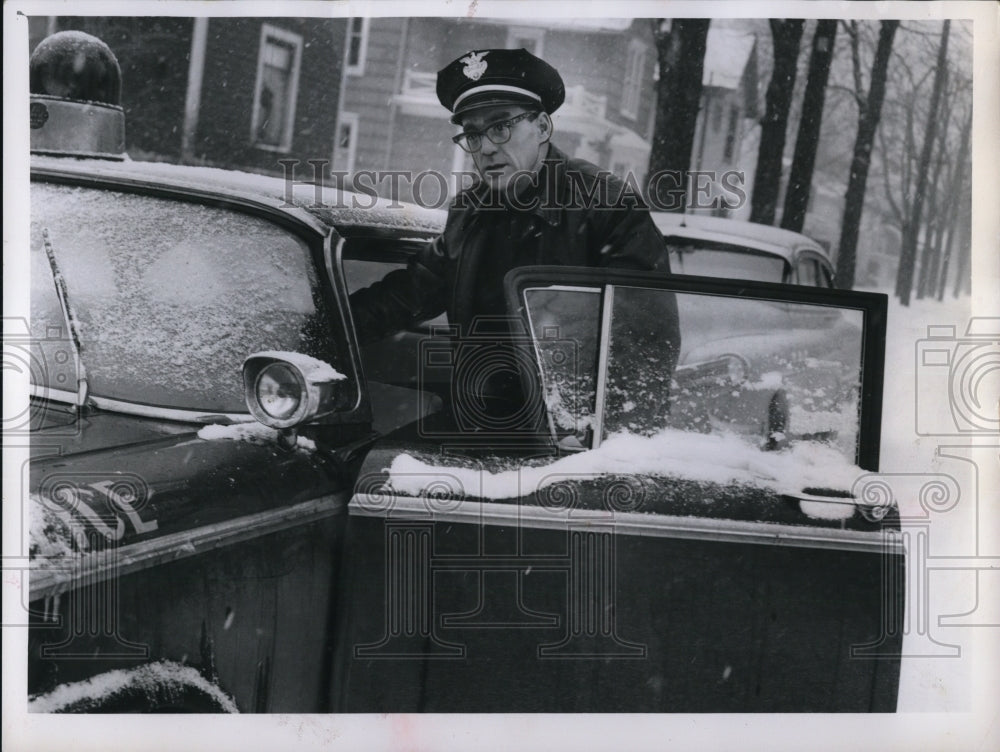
[{"x": 475, "y": 66}]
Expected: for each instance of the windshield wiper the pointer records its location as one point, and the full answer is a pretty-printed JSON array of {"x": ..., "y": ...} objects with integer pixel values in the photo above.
[{"x": 69, "y": 318}]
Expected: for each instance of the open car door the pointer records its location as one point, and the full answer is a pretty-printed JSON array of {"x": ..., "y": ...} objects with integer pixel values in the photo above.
[{"x": 683, "y": 537}]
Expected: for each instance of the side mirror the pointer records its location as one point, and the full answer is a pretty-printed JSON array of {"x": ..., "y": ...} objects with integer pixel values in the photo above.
[{"x": 286, "y": 389}]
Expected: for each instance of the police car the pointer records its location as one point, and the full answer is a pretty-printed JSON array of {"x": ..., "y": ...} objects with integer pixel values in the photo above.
[{"x": 233, "y": 506}]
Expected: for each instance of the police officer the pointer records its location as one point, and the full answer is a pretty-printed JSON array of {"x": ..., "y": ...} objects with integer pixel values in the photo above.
[{"x": 532, "y": 205}]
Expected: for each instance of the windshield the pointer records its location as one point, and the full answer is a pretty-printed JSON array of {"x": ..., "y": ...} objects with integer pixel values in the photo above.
[
  {"x": 169, "y": 296},
  {"x": 707, "y": 259}
]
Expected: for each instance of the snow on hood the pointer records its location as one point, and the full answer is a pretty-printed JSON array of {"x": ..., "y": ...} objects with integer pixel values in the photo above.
[
  {"x": 153, "y": 680},
  {"x": 254, "y": 433},
  {"x": 715, "y": 458}
]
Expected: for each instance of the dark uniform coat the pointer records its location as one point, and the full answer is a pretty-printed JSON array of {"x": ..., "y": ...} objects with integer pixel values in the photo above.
[
  {"x": 574, "y": 214},
  {"x": 577, "y": 215}
]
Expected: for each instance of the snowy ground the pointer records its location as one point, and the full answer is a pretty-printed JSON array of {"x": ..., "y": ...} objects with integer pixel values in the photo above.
[{"x": 943, "y": 491}]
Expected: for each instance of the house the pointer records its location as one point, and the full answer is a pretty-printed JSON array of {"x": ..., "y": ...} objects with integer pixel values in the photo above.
[
  {"x": 233, "y": 92},
  {"x": 359, "y": 93},
  {"x": 730, "y": 108},
  {"x": 391, "y": 118}
]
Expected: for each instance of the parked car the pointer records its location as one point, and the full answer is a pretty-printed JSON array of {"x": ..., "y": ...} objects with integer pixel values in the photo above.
[
  {"x": 721, "y": 247},
  {"x": 233, "y": 506}
]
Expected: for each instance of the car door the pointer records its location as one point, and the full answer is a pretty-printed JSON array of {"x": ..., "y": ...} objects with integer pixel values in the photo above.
[{"x": 643, "y": 552}]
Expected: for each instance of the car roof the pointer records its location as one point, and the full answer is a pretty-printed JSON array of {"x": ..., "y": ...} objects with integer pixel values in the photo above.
[
  {"x": 340, "y": 210},
  {"x": 777, "y": 240}
]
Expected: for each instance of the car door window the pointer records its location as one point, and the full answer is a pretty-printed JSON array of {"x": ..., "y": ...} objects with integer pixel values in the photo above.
[
  {"x": 766, "y": 368},
  {"x": 404, "y": 384},
  {"x": 359, "y": 273},
  {"x": 362, "y": 272},
  {"x": 565, "y": 323},
  {"x": 807, "y": 272},
  {"x": 774, "y": 373},
  {"x": 813, "y": 271}
]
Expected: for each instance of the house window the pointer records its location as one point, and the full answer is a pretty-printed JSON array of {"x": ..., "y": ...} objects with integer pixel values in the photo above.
[
  {"x": 346, "y": 147},
  {"x": 635, "y": 64},
  {"x": 357, "y": 46},
  {"x": 526, "y": 37},
  {"x": 278, "y": 64}
]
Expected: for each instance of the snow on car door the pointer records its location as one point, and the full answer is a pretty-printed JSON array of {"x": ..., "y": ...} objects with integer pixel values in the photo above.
[{"x": 659, "y": 557}]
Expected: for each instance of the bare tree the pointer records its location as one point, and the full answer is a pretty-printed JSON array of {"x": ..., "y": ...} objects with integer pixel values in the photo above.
[
  {"x": 897, "y": 136},
  {"x": 963, "y": 280},
  {"x": 786, "y": 35},
  {"x": 938, "y": 202},
  {"x": 680, "y": 51},
  {"x": 807, "y": 140},
  {"x": 908, "y": 254},
  {"x": 957, "y": 194},
  {"x": 901, "y": 136},
  {"x": 869, "y": 113}
]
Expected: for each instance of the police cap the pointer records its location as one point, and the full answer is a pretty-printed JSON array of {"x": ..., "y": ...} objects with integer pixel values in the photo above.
[{"x": 485, "y": 78}]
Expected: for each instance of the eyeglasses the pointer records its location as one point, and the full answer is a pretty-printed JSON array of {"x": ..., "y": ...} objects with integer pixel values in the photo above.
[{"x": 497, "y": 133}]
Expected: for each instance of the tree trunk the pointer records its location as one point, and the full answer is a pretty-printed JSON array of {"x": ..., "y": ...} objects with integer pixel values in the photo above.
[
  {"x": 931, "y": 260},
  {"x": 767, "y": 179},
  {"x": 957, "y": 185},
  {"x": 942, "y": 278},
  {"x": 807, "y": 140},
  {"x": 681, "y": 58},
  {"x": 908, "y": 254},
  {"x": 854, "y": 199},
  {"x": 938, "y": 207},
  {"x": 963, "y": 279}
]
